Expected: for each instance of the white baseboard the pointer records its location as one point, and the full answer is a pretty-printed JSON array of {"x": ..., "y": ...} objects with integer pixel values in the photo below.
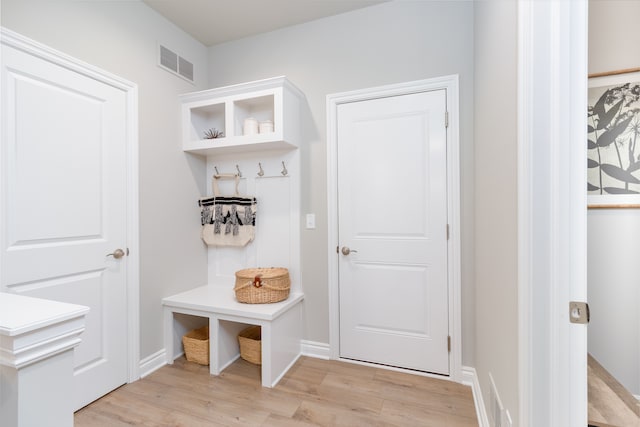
[
  {"x": 152, "y": 363},
  {"x": 470, "y": 378},
  {"x": 319, "y": 350}
]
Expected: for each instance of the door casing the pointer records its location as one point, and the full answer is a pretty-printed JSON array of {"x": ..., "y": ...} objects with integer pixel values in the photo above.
[
  {"x": 451, "y": 85},
  {"x": 17, "y": 41},
  {"x": 552, "y": 211}
]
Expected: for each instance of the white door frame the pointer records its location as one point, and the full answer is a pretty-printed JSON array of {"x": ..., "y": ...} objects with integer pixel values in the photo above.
[
  {"x": 552, "y": 232},
  {"x": 450, "y": 84},
  {"x": 34, "y": 48}
]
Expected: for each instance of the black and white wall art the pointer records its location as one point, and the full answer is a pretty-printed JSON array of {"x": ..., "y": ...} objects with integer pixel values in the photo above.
[{"x": 613, "y": 130}]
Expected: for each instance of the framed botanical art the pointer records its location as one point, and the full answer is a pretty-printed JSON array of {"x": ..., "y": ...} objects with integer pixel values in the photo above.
[{"x": 613, "y": 129}]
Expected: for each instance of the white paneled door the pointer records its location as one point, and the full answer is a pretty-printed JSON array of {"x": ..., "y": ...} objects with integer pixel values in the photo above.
[
  {"x": 392, "y": 212},
  {"x": 63, "y": 205}
]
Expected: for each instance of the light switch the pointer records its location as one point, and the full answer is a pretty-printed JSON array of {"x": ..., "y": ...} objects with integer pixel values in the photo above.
[{"x": 311, "y": 221}]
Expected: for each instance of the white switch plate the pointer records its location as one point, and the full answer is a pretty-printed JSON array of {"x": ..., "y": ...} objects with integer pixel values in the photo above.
[{"x": 311, "y": 221}]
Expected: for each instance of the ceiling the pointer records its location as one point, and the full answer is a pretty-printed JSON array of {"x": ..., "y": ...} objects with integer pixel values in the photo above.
[{"x": 217, "y": 21}]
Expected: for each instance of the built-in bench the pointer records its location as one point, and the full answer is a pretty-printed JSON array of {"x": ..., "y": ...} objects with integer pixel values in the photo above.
[{"x": 281, "y": 325}]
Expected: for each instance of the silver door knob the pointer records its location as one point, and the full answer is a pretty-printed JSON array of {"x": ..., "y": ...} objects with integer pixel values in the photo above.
[
  {"x": 117, "y": 254},
  {"x": 347, "y": 251}
]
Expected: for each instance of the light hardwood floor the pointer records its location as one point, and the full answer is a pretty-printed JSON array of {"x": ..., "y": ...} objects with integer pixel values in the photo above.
[
  {"x": 314, "y": 392},
  {"x": 610, "y": 404}
]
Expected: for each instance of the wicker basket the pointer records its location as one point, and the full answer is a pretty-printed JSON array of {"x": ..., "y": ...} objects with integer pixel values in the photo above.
[
  {"x": 196, "y": 345},
  {"x": 250, "y": 344},
  {"x": 262, "y": 285}
]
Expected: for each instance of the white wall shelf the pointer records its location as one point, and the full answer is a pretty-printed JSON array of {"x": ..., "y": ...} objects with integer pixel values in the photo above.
[
  {"x": 240, "y": 144},
  {"x": 225, "y": 109}
]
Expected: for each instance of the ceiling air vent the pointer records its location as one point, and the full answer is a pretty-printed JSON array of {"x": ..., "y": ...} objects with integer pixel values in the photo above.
[{"x": 172, "y": 62}]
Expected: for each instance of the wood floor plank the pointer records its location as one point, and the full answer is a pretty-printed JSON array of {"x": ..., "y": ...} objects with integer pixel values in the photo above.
[
  {"x": 280, "y": 421},
  {"x": 410, "y": 414},
  {"x": 432, "y": 394},
  {"x": 325, "y": 413},
  {"x": 610, "y": 404},
  {"x": 241, "y": 384},
  {"x": 313, "y": 393}
]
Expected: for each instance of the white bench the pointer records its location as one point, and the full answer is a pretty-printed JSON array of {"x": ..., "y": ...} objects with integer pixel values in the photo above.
[{"x": 281, "y": 325}]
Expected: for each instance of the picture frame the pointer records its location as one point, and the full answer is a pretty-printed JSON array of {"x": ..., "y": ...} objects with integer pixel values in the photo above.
[{"x": 613, "y": 132}]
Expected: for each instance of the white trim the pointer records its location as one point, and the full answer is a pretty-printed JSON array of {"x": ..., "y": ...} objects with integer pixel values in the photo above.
[
  {"x": 552, "y": 82},
  {"x": 470, "y": 378},
  {"x": 319, "y": 350},
  {"x": 11, "y": 38},
  {"x": 133, "y": 239},
  {"x": 285, "y": 370},
  {"x": 450, "y": 84},
  {"x": 403, "y": 370},
  {"x": 152, "y": 363}
]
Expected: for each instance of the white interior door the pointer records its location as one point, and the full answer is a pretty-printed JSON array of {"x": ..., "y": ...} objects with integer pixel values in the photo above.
[
  {"x": 64, "y": 205},
  {"x": 392, "y": 213}
]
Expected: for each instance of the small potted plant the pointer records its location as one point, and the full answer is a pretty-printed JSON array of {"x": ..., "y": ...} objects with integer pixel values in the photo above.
[{"x": 213, "y": 133}]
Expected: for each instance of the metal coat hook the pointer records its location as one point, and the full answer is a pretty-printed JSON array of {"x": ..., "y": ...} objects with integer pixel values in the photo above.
[
  {"x": 284, "y": 169},
  {"x": 260, "y": 172},
  {"x": 239, "y": 173},
  {"x": 216, "y": 168}
]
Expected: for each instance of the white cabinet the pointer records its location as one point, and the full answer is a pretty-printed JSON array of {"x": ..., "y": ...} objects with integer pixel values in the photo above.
[
  {"x": 270, "y": 165},
  {"x": 225, "y": 110}
]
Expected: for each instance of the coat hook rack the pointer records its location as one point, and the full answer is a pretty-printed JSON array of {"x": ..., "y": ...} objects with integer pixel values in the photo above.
[
  {"x": 284, "y": 169},
  {"x": 239, "y": 173},
  {"x": 260, "y": 172},
  {"x": 216, "y": 168}
]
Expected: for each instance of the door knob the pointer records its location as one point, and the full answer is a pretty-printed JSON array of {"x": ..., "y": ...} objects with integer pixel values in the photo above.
[
  {"x": 117, "y": 254},
  {"x": 347, "y": 251}
]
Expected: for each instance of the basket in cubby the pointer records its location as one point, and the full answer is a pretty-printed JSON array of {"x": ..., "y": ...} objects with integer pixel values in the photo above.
[
  {"x": 250, "y": 341},
  {"x": 262, "y": 285},
  {"x": 196, "y": 345}
]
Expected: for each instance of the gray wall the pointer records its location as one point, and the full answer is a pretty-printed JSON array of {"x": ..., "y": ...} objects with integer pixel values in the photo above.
[
  {"x": 496, "y": 237},
  {"x": 120, "y": 37},
  {"x": 389, "y": 43},
  {"x": 614, "y": 235}
]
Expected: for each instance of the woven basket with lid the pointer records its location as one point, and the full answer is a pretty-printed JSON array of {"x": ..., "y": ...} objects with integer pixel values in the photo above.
[{"x": 262, "y": 285}]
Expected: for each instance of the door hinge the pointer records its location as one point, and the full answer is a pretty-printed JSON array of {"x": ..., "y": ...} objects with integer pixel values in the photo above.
[
  {"x": 449, "y": 343},
  {"x": 446, "y": 119},
  {"x": 337, "y": 249},
  {"x": 447, "y": 231},
  {"x": 579, "y": 312}
]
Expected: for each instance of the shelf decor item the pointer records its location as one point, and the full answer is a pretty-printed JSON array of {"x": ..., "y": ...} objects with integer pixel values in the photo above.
[
  {"x": 213, "y": 133},
  {"x": 250, "y": 126},
  {"x": 613, "y": 132},
  {"x": 196, "y": 345},
  {"x": 265, "y": 126},
  {"x": 262, "y": 285},
  {"x": 250, "y": 341}
]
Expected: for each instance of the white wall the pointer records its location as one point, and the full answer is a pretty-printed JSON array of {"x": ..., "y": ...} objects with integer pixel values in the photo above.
[
  {"x": 614, "y": 235},
  {"x": 389, "y": 43},
  {"x": 120, "y": 37},
  {"x": 496, "y": 250}
]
